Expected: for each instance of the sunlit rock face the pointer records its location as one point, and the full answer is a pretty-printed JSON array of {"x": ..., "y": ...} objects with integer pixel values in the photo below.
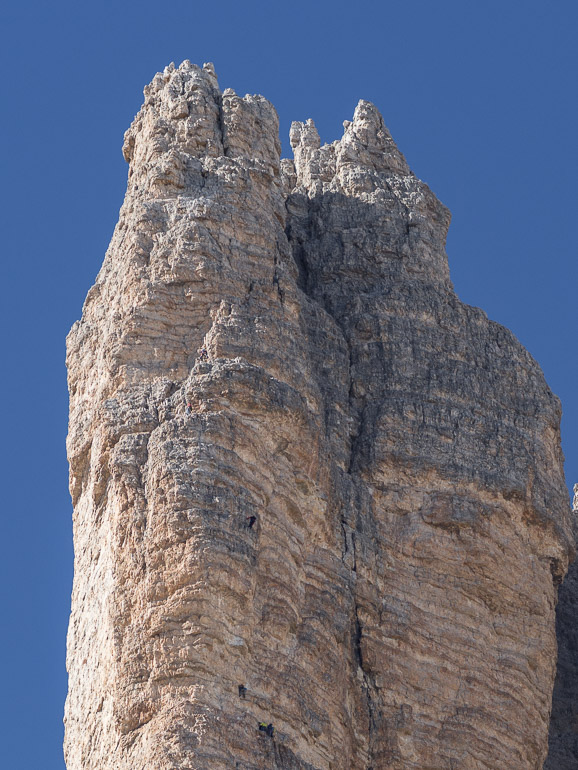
[{"x": 311, "y": 488}]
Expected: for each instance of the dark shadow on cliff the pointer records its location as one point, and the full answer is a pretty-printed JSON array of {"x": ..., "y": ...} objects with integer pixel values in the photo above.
[{"x": 563, "y": 738}]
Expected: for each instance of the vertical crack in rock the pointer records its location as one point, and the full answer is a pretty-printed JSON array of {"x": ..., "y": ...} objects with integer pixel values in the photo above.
[{"x": 300, "y": 466}]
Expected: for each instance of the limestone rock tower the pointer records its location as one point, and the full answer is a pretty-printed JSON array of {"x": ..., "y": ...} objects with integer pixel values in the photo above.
[{"x": 312, "y": 489}]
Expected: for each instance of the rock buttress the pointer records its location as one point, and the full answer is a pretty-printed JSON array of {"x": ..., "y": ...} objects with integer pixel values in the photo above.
[{"x": 301, "y": 465}]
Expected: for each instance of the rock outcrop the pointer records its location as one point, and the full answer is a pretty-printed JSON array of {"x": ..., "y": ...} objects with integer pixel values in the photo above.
[{"x": 311, "y": 487}]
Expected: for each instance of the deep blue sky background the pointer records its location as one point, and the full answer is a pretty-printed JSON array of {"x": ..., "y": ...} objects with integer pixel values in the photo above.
[{"x": 481, "y": 98}]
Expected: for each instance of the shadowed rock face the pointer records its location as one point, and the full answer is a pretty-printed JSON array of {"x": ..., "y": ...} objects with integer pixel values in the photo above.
[
  {"x": 563, "y": 748},
  {"x": 392, "y": 605}
]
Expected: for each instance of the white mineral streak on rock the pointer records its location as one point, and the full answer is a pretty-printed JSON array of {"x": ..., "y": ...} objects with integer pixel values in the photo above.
[{"x": 392, "y": 605}]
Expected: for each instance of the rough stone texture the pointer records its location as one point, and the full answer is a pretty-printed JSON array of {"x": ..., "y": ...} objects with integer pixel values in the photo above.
[
  {"x": 563, "y": 749},
  {"x": 393, "y": 604}
]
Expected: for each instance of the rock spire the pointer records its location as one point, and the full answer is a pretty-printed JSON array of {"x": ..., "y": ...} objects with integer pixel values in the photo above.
[{"x": 312, "y": 489}]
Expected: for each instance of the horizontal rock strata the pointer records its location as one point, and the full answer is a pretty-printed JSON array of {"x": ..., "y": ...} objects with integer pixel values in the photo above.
[{"x": 311, "y": 487}]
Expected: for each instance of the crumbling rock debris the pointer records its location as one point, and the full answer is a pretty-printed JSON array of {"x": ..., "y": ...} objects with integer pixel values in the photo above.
[{"x": 278, "y": 341}]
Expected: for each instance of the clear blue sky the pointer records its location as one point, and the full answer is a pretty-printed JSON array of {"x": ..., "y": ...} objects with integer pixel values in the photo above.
[{"x": 481, "y": 98}]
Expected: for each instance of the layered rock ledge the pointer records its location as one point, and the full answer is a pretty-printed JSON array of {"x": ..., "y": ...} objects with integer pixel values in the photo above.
[{"x": 299, "y": 464}]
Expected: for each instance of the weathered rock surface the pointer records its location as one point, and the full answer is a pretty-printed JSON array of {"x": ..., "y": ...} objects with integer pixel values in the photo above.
[{"x": 393, "y": 604}]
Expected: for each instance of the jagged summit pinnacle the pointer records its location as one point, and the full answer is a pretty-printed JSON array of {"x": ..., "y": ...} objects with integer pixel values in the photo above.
[
  {"x": 368, "y": 125},
  {"x": 319, "y": 506},
  {"x": 186, "y": 126}
]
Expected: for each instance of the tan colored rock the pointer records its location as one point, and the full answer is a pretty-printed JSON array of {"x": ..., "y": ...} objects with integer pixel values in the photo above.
[{"x": 392, "y": 605}]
